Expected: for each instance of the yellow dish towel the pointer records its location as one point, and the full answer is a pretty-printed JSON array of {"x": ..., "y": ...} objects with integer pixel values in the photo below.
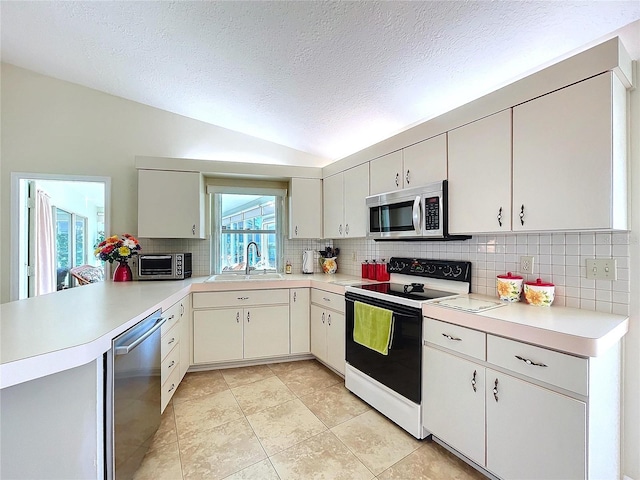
[{"x": 372, "y": 327}]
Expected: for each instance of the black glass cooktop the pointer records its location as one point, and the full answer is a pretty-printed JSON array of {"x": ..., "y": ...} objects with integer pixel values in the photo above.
[{"x": 414, "y": 291}]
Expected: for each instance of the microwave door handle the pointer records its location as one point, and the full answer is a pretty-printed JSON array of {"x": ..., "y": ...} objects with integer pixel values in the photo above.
[
  {"x": 156, "y": 256},
  {"x": 416, "y": 214}
]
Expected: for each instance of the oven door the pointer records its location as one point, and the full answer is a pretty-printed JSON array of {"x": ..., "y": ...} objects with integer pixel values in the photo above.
[{"x": 401, "y": 369}]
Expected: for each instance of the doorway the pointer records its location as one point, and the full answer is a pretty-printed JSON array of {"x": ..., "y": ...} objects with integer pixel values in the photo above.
[{"x": 57, "y": 220}]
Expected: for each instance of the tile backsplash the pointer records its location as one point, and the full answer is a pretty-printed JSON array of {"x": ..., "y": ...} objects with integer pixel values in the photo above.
[{"x": 558, "y": 258}]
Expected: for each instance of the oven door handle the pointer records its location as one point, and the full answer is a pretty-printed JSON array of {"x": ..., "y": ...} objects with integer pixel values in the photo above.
[{"x": 416, "y": 214}]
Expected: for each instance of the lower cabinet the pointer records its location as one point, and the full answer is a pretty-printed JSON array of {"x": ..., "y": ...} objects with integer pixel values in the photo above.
[
  {"x": 518, "y": 410},
  {"x": 328, "y": 328},
  {"x": 175, "y": 348},
  {"x": 299, "y": 312},
  {"x": 252, "y": 331}
]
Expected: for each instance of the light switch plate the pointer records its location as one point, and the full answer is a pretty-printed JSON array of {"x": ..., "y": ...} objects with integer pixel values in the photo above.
[{"x": 602, "y": 268}]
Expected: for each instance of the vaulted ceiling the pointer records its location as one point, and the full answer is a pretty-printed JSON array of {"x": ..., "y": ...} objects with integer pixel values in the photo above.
[{"x": 324, "y": 77}]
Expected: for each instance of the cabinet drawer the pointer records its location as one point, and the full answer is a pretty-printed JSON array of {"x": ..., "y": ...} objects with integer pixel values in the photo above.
[
  {"x": 169, "y": 340},
  {"x": 172, "y": 314},
  {"x": 169, "y": 364},
  {"x": 459, "y": 339},
  {"x": 169, "y": 388},
  {"x": 560, "y": 369},
  {"x": 327, "y": 299},
  {"x": 240, "y": 298}
]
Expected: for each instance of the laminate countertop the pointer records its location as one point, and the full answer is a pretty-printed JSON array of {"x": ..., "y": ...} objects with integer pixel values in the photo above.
[{"x": 62, "y": 330}]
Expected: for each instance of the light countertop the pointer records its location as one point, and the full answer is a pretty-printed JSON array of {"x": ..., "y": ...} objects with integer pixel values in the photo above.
[
  {"x": 51, "y": 333},
  {"x": 580, "y": 332}
]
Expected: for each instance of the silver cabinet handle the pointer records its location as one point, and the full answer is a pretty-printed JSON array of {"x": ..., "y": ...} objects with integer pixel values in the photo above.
[
  {"x": 407, "y": 177},
  {"x": 170, "y": 318},
  {"x": 522, "y": 215},
  {"x": 181, "y": 309},
  {"x": 326, "y": 299},
  {"x": 500, "y": 217},
  {"x": 495, "y": 390},
  {"x": 473, "y": 381},
  {"x": 329, "y": 319},
  {"x": 294, "y": 296},
  {"x": 193, "y": 229},
  {"x": 340, "y": 229},
  {"x": 173, "y": 362},
  {"x": 397, "y": 179},
  {"x": 173, "y": 339},
  {"x": 248, "y": 317},
  {"x": 296, "y": 230},
  {"x": 242, "y": 298},
  {"x": 322, "y": 317},
  {"x": 530, "y": 362},
  {"x": 173, "y": 385},
  {"x": 346, "y": 230},
  {"x": 237, "y": 317},
  {"x": 456, "y": 339}
]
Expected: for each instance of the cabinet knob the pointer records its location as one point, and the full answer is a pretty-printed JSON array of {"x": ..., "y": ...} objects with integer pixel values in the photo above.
[
  {"x": 397, "y": 179},
  {"x": 522, "y": 215},
  {"x": 473, "y": 381},
  {"x": 500, "y": 216},
  {"x": 407, "y": 177},
  {"x": 495, "y": 390}
]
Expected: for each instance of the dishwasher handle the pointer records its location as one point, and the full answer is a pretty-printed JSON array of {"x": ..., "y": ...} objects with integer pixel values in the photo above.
[{"x": 124, "y": 349}]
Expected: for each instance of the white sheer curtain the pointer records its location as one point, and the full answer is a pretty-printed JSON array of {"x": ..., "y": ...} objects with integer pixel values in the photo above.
[{"x": 45, "y": 246}]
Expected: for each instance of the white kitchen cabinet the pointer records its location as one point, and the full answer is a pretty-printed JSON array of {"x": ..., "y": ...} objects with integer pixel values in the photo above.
[
  {"x": 480, "y": 175},
  {"x": 170, "y": 204},
  {"x": 299, "y": 318},
  {"x": 252, "y": 324},
  {"x": 453, "y": 402},
  {"x": 185, "y": 335},
  {"x": 328, "y": 329},
  {"x": 413, "y": 166},
  {"x": 305, "y": 208},
  {"x": 533, "y": 432},
  {"x": 174, "y": 345},
  {"x": 536, "y": 413},
  {"x": 345, "y": 210},
  {"x": 569, "y": 158}
]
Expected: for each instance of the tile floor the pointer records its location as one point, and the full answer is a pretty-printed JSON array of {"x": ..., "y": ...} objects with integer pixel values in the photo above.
[{"x": 285, "y": 421}]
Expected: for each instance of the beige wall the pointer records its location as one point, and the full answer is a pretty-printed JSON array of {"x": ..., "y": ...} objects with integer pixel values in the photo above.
[{"x": 56, "y": 127}]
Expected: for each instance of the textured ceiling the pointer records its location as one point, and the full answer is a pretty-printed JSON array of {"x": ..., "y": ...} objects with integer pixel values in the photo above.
[{"x": 324, "y": 77}]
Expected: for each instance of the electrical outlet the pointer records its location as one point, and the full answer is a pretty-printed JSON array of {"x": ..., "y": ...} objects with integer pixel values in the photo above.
[
  {"x": 526, "y": 264},
  {"x": 602, "y": 268}
]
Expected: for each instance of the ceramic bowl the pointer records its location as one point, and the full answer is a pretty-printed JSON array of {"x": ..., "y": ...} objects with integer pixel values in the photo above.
[
  {"x": 539, "y": 293},
  {"x": 509, "y": 287}
]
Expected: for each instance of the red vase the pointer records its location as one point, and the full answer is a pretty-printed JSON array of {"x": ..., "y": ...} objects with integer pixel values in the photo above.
[{"x": 122, "y": 272}]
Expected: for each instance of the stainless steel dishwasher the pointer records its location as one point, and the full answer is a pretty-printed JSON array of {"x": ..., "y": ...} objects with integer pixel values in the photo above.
[{"x": 135, "y": 395}]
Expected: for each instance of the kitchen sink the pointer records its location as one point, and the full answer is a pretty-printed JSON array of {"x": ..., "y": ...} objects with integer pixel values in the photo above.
[{"x": 241, "y": 277}]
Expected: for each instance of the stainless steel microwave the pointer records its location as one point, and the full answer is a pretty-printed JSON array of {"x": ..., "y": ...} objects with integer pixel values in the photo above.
[
  {"x": 163, "y": 266},
  {"x": 419, "y": 213}
]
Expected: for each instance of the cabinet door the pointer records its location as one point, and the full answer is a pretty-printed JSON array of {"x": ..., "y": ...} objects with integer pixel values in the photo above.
[
  {"x": 356, "y": 190},
  {"x": 425, "y": 162},
  {"x": 336, "y": 341},
  {"x": 266, "y": 331},
  {"x": 170, "y": 204},
  {"x": 319, "y": 332},
  {"x": 333, "y": 203},
  {"x": 305, "y": 208},
  {"x": 386, "y": 173},
  {"x": 299, "y": 314},
  {"x": 185, "y": 335},
  {"x": 217, "y": 335},
  {"x": 532, "y": 432},
  {"x": 480, "y": 175},
  {"x": 562, "y": 158},
  {"x": 453, "y": 402}
]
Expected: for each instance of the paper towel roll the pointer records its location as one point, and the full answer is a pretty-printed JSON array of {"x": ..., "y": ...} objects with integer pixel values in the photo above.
[{"x": 307, "y": 261}]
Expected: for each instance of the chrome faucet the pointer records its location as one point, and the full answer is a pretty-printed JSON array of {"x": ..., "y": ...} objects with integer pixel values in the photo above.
[{"x": 248, "y": 268}]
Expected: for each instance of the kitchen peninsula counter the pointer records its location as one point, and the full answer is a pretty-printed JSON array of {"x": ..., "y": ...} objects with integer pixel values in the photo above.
[{"x": 55, "y": 332}]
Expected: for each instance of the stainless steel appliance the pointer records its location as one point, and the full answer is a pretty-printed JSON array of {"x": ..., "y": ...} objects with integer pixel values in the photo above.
[
  {"x": 163, "y": 266},
  {"x": 392, "y": 383},
  {"x": 136, "y": 396},
  {"x": 413, "y": 213}
]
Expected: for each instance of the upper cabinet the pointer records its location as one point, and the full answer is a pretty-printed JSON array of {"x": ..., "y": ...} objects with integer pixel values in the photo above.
[
  {"x": 305, "y": 208},
  {"x": 480, "y": 175},
  {"x": 170, "y": 204},
  {"x": 345, "y": 210},
  {"x": 416, "y": 165},
  {"x": 569, "y": 158}
]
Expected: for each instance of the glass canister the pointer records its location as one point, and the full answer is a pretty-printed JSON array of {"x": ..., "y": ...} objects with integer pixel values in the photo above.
[
  {"x": 365, "y": 269},
  {"x": 382, "y": 275},
  {"x": 371, "y": 270}
]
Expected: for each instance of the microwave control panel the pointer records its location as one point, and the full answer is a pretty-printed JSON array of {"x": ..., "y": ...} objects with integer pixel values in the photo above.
[{"x": 432, "y": 213}]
